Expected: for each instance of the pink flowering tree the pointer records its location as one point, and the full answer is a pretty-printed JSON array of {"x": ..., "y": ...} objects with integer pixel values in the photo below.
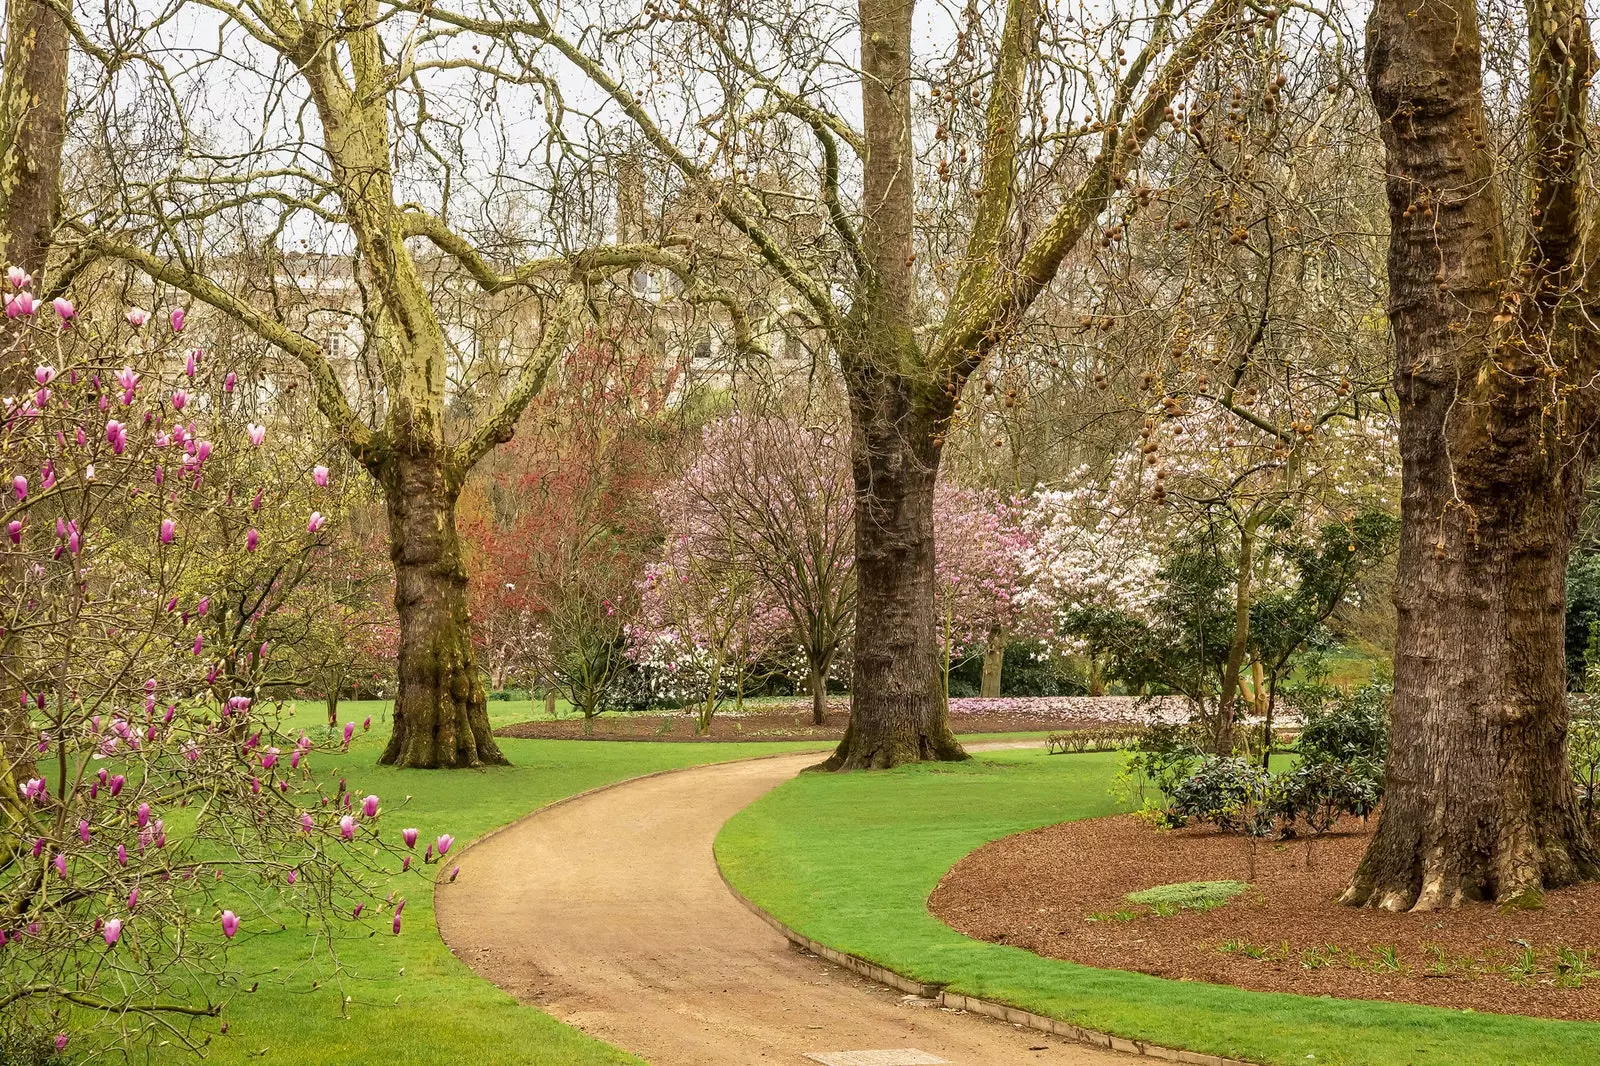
[
  {"x": 981, "y": 544},
  {"x": 285, "y": 591},
  {"x": 151, "y": 810},
  {"x": 781, "y": 490},
  {"x": 704, "y": 620}
]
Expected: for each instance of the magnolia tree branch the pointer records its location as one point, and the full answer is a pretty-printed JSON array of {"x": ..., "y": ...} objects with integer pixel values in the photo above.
[{"x": 363, "y": 443}]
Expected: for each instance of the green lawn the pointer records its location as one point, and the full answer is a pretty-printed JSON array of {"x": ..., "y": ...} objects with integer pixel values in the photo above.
[
  {"x": 410, "y": 1000},
  {"x": 850, "y": 859}
]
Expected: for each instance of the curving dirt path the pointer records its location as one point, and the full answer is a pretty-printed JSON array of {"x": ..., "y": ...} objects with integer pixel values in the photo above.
[{"x": 609, "y": 913}]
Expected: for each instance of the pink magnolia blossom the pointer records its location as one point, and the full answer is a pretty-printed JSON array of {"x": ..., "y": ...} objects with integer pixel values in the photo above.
[
  {"x": 64, "y": 309},
  {"x": 319, "y": 474},
  {"x": 444, "y": 842},
  {"x": 18, "y": 277},
  {"x": 252, "y": 540},
  {"x": 230, "y": 924},
  {"x": 409, "y": 835},
  {"x": 176, "y": 318},
  {"x": 369, "y": 807},
  {"x": 116, "y": 436},
  {"x": 257, "y": 434},
  {"x": 112, "y": 931},
  {"x": 316, "y": 522},
  {"x": 137, "y": 316},
  {"x": 19, "y": 486},
  {"x": 169, "y": 529},
  {"x": 347, "y": 827}
]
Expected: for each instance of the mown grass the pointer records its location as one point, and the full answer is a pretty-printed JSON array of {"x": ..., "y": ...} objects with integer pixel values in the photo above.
[
  {"x": 406, "y": 999},
  {"x": 850, "y": 860}
]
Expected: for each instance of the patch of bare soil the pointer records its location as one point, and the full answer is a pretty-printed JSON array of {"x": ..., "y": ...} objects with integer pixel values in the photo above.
[
  {"x": 1062, "y": 892},
  {"x": 780, "y": 726}
]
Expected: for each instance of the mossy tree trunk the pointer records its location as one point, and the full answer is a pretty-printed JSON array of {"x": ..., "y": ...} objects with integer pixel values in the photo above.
[
  {"x": 1496, "y": 453},
  {"x": 441, "y": 716}
]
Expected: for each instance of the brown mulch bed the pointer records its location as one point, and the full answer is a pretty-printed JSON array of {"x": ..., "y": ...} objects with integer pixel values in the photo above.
[
  {"x": 782, "y": 726},
  {"x": 1058, "y": 892}
]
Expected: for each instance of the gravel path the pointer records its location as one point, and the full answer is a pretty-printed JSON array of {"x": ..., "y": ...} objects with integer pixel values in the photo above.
[{"x": 609, "y": 913}]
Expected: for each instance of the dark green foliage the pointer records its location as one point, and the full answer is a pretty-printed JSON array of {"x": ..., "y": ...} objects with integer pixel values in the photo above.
[
  {"x": 1181, "y": 645},
  {"x": 1030, "y": 670},
  {"x": 1583, "y": 611},
  {"x": 1583, "y": 757},
  {"x": 1327, "y": 567},
  {"x": 1227, "y": 791},
  {"x": 1348, "y": 727}
]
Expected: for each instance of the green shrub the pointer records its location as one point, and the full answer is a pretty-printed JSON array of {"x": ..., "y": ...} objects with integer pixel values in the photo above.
[
  {"x": 1583, "y": 758},
  {"x": 1227, "y": 791},
  {"x": 1347, "y": 728}
]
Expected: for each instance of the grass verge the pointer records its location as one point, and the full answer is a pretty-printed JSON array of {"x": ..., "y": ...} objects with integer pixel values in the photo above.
[
  {"x": 850, "y": 859},
  {"x": 406, "y": 999}
]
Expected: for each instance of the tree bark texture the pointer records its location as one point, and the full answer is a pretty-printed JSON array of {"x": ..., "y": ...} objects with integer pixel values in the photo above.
[
  {"x": 817, "y": 683},
  {"x": 994, "y": 661},
  {"x": 441, "y": 716},
  {"x": 33, "y": 119},
  {"x": 898, "y": 711},
  {"x": 1478, "y": 803}
]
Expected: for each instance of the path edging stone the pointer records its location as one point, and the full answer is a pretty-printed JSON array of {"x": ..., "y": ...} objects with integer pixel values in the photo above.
[{"x": 989, "y": 1008}]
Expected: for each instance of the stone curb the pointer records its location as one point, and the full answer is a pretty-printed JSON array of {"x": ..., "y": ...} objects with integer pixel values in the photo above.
[{"x": 989, "y": 1008}]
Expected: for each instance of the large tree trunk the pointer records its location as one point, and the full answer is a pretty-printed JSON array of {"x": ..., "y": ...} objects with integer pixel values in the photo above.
[
  {"x": 1478, "y": 804},
  {"x": 994, "y": 661},
  {"x": 33, "y": 118},
  {"x": 33, "y": 115},
  {"x": 898, "y": 712},
  {"x": 441, "y": 716}
]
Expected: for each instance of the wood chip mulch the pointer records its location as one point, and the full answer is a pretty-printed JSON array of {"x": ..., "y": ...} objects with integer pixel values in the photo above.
[{"x": 1058, "y": 892}]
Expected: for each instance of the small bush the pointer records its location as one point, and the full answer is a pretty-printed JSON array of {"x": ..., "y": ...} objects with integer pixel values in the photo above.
[
  {"x": 1321, "y": 792},
  {"x": 1227, "y": 791},
  {"x": 509, "y": 694},
  {"x": 1348, "y": 728}
]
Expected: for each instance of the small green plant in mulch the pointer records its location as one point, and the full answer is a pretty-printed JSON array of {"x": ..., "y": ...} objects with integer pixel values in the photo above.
[
  {"x": 1188, "y": 895},
  {"x": 1386, "y": 958},
  {"x": 1317, "y": 958},
  {"x": 1525, "y": 966},
  {"x": 1245, "y": 948}
]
